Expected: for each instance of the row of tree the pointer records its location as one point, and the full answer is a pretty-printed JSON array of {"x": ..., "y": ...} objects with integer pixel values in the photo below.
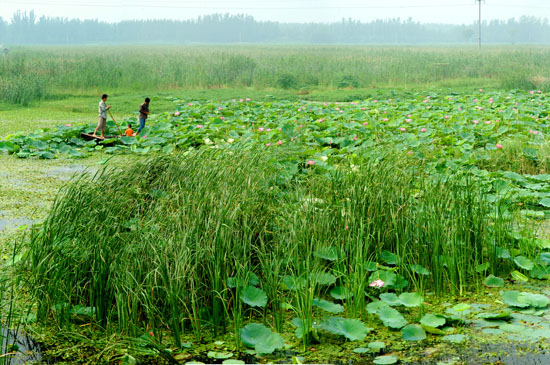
[{"x": 26, "y": 28}]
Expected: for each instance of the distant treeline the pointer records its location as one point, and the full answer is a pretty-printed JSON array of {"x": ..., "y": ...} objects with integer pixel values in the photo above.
[{"x": 26, "y": 28}]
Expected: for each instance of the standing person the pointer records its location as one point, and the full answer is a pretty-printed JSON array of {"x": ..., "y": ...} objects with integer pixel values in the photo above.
[
  {"x": 143, "y": 113},
  {"x": 102, "y": 111}
]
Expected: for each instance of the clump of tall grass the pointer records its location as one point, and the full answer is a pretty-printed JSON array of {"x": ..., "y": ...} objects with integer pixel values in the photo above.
[
  {"x": 519, "y": 155},
  {"x": 157, "y": 243}
]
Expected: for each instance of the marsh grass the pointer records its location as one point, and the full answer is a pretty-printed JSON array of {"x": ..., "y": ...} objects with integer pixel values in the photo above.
[
  {"x": 154, "y": 245},
  {"x": 34, "y": 73},
  {"x": 519, "y": 155}
]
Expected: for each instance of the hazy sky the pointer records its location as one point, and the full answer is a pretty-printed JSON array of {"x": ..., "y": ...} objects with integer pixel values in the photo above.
[{"x": 441, "y": 11}]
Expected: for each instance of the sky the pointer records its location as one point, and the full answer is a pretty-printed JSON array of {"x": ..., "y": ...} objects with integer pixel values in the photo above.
[{"x": 300, "y": 11}]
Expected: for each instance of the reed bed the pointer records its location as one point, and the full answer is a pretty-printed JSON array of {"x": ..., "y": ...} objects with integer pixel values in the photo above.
[{"x": 168, "y": 243}]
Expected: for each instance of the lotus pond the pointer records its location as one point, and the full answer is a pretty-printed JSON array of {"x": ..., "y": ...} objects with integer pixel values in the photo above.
[{"x": 385, "y": 231}]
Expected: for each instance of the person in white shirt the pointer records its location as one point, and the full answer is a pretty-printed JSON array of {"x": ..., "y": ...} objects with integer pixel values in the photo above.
[{"x": 102, "y": 111}]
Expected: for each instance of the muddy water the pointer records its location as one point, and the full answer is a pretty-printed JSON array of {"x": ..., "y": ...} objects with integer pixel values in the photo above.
[{"x": 24, "y": 351}]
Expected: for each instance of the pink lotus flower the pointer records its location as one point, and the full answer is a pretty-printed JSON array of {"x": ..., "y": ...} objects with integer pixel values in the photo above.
[
  {"x": 247, "y": 99},
  {"x": 402, "y": 129},
  {"x": 341, "y": 111},
  {"x": 337, "y": 108},
  {"x": 427, "y": 97},
  {"x": 199, "y": 126},
  {"x": 220, "y": 108},
  {"x": 531, "y": 92},
  {"x": 475, "y": 100},
  {"x": 347, "y": 228},
  {"x": 446, "y": 117},
  {"x": 390, "y": 100},
  {"x": 280, "y": 142},
  {"x": 459, "y": 108},
  {"x": 241, "y": 100},
  {"x": 375, "y": 101},
  {"x": 480, "y": 90},
  {"x": 365, "y": 123},
  {"x": 268, "y": 144},
  {"x": 535, "y": 132},
  {"x": 409, "y": 116},
  {"x": 363, "y": 108},
  {"x": 222, "y": 118},
  {"x": 190, "y": 104},
  {"x": 488, "y": 122},
  {"x": 385, "y": 119},
  {"x": 261, "y": 129},
  {"x": 475, "y": 121},
  {"x": 299, "y": 110},
  {"x": 423, "y": 130},
  {"x": 325, "y": 104},
  {"x": 450, "y": 99},
  {"x": 67, "y": 125},
  {"x": 408, "y": 120},
  {"x": 500, "y": 111},
  {"x": 311, "y": 162},
  {"x": 410, "y": 153},
  {"x": 176, "y": 114},
  {"x": 355, "y": 138},
  {"x": 377, "y": 283},
  {"x": 268, "y": 130},
  {"x": 499, "y": 146}
]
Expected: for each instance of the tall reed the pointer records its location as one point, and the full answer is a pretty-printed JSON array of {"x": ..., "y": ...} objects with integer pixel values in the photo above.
[{"x": 157, "y": 244}]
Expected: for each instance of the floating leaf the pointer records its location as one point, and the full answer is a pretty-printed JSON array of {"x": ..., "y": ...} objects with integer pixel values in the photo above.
[
  {"x": 455, "y": 338},
  {"x": 254, "y": 297},
  {"x": 433, "y": 320},
  {"x": 514, "y": 298},
  {"x": 540, "y": 272},
  {"x": 233, "y": 362},
  {"x": 413, "y": 332},
  {"x": 391, "y": 317},
  {"x": 373, "y": 307},
  {"x": 545, "y": 202},
  {"x": 294, "y": 283},
  {"x": 385, "y": 360},
  {"x": 376, "y": 346},
  {"x": 352, "y": 329},
  {"x": 433, "y": 330},
  {"x": 411, "y": 299},
  {"x": 219, "y": 355},
  {"x": 261, "y": 338},
  {"x": 493, "y": 282},
  {"x": 495, "y": 316},
  {"x": 328, "y": 306},
  {"x": 524, "y": 262},
  {"x": 390, "y": 299}
]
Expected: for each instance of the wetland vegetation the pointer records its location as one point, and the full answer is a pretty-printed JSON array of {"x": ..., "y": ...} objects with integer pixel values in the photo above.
[{"x": 387, "y": 225}]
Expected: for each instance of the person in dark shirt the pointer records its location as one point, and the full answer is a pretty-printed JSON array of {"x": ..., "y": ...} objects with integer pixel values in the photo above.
[{"x": 143, "y": 114}]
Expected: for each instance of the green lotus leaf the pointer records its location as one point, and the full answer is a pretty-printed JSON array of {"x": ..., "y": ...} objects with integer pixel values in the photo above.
[
  {"x": 261, "y": 338},
  {"x": 493, "y": 282},
  {"x": 391, "y": 317},
  {"x": 328, "y": 306},
  {"x": 514, "y": 298},
  {"x": 373, "y": 307},
  {"x": 433, "y": 320},
  {"x": 254, "y": 297},
  {"x": 329, "y": 253},
  {"x": 340, "y": 293},
  {"x": 385, "y": 360},
  {"x": 413, "y": 332},
  {"x": 352, "y": 329},
  {"x": 390, "y": 299},
  {"x": 516, "y": 275},
  {"x": 455, "y": 338},
  {"x": 323, "y": 278},
  {"x": 219, "y": 355},
  {"x": 411, "y": 299},
  {"x": 524, "y": 262},
  {"x": 389, "y": 258},
  {"x": 233, "y": 362},
  {"x": 421, "y": 270}
]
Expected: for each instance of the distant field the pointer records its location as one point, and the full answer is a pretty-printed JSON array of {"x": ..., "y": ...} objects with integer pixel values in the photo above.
[{"x": 32, "y": 73}]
